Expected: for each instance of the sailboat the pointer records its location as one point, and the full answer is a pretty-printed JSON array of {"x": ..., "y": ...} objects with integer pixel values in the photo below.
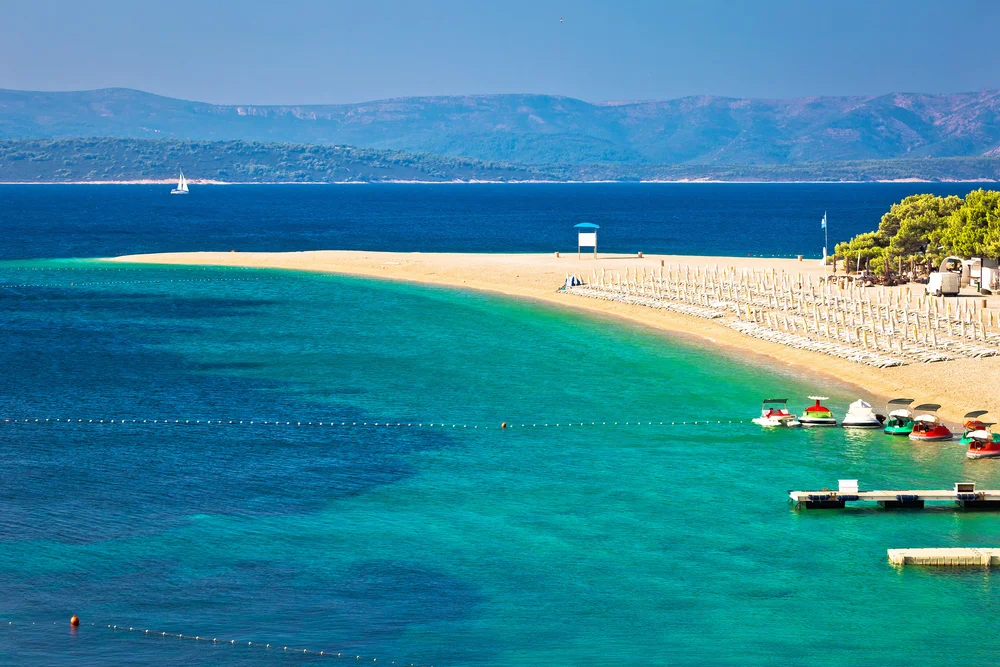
[{"x": 182, "y": 186}]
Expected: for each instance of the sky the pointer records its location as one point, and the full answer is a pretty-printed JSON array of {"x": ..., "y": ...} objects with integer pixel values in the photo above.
[{"x": 325, "y": 52}]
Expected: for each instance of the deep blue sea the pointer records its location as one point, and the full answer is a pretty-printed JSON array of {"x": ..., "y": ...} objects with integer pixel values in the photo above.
[
  {"x": 698, "y": 218},
  {"x": 387, "y": 515}
]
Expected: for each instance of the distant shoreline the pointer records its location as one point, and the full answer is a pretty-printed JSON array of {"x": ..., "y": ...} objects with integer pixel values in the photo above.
[{"x": 107, "y": 159}]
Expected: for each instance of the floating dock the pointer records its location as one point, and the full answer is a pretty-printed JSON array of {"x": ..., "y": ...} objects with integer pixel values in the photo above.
[
  {"x": 964, "y": 495},
  {"x": 948, "y": 557}
]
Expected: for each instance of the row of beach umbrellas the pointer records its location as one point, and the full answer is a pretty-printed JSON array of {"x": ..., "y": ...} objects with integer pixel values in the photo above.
[{"x": 876, "y": 326}]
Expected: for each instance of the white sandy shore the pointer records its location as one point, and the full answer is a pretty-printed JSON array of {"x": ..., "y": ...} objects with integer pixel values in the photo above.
[{"x": 960, "y": 385}]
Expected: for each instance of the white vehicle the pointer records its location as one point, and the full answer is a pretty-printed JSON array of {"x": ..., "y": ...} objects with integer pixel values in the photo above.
[
  {"x": 861, "y": 415},
  {"x": 944, "y": 283},
  {"x": 774, "y": 414},
  {"x": 956, "y": 273},
  {"x": 984, "y": 275}
]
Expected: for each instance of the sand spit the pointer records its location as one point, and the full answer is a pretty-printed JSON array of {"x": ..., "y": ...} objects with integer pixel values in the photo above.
[{"x": 960, "y": 385}]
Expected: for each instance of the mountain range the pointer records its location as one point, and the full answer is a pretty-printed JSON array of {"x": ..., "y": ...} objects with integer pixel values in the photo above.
[{"x": 544, "y": 129}]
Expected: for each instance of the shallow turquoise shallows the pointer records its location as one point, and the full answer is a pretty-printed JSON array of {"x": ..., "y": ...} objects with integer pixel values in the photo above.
[{"x": 576, "y": 537}]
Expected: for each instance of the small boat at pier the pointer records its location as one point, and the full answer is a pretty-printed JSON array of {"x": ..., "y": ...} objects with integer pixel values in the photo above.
[
  {"x": 900, "y": 421},
  {"x": 971, "y": 422},
  {"x": 926, "y": 425},
  {"x": 818, "y": 415},
  {"x": 773, "y": 413},
  {"x": 861, "y": 415},
  {"x": 983, "y": 443}
]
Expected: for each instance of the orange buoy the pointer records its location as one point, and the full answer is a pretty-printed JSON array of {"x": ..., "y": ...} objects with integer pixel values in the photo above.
[
  {"x": 74, "y": 620},
  {"x": 503, "y": 425}
]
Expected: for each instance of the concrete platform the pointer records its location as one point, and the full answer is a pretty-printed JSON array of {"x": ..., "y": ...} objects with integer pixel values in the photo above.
[
  {"x": 964, "y": 495},
  {"x": 946, "y": 556}
]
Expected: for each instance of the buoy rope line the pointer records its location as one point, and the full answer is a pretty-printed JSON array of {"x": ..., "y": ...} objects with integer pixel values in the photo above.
[
  {"x": 356, "y": 424},
  {"x": 132, "y": 282},
  {"x": 215, "y": 640}
]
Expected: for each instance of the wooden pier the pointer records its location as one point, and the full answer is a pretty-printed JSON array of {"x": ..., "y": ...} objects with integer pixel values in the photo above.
[
  {"x": 948, "y": 557},
  {"x": 964, "y": 495}
]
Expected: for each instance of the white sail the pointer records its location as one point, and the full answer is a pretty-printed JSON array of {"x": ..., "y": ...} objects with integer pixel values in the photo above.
[{"x": 182, "y": 186}]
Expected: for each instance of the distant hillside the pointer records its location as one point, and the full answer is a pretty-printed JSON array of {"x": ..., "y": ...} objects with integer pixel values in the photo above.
[
  {"x": 923, "y": 169},
  {"x": 543, "y": 129},
  {"x": 106, "y": 159},
  {"x": 62, "y": 160}
]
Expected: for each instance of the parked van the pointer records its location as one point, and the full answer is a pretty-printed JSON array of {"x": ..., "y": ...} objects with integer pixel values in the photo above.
[{"x": 944, "y": 283}]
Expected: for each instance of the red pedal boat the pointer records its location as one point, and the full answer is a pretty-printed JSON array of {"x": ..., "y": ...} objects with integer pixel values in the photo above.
[
  {"x": 972, "y": 423},
  {"x": 926, "y": 425},
  {"x": 983, "y": 443}
]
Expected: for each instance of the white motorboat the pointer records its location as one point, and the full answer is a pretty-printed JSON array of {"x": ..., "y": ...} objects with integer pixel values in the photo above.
[
  {"x": 861, "y": 415},
  {"x": 774, "y": 414}
]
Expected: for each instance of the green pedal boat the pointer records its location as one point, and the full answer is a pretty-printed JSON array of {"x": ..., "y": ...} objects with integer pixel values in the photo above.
[
  {"x": 972, "y": 423},
  {"x": 900, "y": 421}
]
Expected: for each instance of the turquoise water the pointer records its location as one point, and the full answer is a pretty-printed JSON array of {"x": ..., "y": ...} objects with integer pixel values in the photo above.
[{"x": 465, "y": 545}]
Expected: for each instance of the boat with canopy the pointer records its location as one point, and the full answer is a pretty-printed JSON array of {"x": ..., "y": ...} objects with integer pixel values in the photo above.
[
  {"x": 926, "y": 425},
  {"x": 983, "y": 443},
  {"x": 971, "y": 422},
  {"x": 900, "y": 420},
  {"x": 773, "y": 413}
]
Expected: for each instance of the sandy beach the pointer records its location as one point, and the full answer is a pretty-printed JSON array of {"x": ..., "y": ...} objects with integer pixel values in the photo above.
[{"x": 959, "y": 385}]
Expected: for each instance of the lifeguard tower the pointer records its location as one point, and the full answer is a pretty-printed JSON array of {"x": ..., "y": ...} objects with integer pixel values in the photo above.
[{"x": 586, "y": 237}]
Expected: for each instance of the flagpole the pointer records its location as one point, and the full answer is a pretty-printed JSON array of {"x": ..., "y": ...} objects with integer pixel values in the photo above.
[
  {"x": 826, "y": 238},
  {"x": 826, "y": 243}
]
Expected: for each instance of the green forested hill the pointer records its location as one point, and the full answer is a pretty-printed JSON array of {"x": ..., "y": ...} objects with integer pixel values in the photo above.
[{"x": 106, "y": 159}]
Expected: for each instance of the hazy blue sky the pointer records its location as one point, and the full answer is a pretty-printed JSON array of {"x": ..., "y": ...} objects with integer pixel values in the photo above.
[{"x": 323, "y": 52}]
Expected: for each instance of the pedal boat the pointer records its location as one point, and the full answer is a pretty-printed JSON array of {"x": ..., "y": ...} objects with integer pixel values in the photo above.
[
  {"x": 773, "y": 414},
  {"x": 817, "y": 415},
  {"x": 926, "y": 425},
  {"x": 900, "y": 421},
  {"x": 971, "y": 423},
  {"x": 983, "y": 443},
  {"x": 861, "y": 415}
]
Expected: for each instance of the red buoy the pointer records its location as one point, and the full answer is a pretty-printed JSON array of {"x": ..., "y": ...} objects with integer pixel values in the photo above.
[
  {"x": 74, "y": 620},
  {"x": 503, "y": 425}
]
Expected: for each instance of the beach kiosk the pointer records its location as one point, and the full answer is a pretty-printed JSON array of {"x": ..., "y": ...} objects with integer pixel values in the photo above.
[{"x": 586, "y": 237}]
